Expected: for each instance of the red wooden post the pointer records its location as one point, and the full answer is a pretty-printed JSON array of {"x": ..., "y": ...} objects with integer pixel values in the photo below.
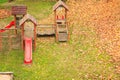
[
  {"x": 34, "y": 37},
  {"x": 15, "y": 24},
  {"x": 22, "y": 37}
]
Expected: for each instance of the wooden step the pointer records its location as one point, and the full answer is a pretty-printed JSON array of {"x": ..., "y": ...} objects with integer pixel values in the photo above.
[{"x": 62, "y": 36}]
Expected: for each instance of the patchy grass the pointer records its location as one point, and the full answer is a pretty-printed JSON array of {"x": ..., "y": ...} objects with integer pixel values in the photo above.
[{"x": 78, "y": 59}]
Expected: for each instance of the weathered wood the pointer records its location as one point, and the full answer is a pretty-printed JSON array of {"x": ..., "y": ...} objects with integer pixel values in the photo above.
[
  {"x": 25, "y": 19},
  {"x": 63, "y": 36},
  {"x": 60, "y": 4},
  {"x": 19, "y": 10},
  {"x": 28, "y": 17},
  {"x": 15, "y": 24},
  {"x": 22, "y": 37},
  {"x": 61, "y": 27},
  {"x": 45, "y": 33},
  {"x": 34, "y": 37},
  {"x": 45, "y": 29},
  {"x": 0, "y": 42}
]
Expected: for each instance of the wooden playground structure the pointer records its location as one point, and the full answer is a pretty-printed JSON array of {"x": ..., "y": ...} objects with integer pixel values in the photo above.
[
  {"x": 26, "y": 29},
  {"x": 60, "y": 26},
  {"x": 10, "y": 34}
]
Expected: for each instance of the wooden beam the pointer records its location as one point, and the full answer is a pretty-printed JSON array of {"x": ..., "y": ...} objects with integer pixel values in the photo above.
[
  {"x": 0, "y": 41},
  {"x": 66, "y": 15},
  {"x": 34, "y": 37},
  {"x": 22, "y": 36}
]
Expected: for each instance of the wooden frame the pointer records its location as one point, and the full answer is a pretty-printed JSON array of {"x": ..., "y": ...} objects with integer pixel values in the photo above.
[
  {"x": 26, "y": 18},
  {"x": 55, "y": 7}
]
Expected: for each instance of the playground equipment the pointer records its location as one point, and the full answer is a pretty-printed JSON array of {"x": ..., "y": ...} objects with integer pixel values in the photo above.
[
  {"x": 60, "y": 27},
  {"x": 60, "y": 11},
  {"x": 32, "y": 29},
  {"x": 28, "y": 50},
  {"x": 28, "y": 25},
  {"x": 45, "y": 29},
  {"x": 9, "y": 34},
  {"x": 6, "y": 34}
]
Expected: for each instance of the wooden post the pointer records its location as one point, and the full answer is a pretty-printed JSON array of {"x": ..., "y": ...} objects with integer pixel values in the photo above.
[
  {"x": 15, "y": 24},
  {"x": 0, "y": 41},
  {"x": 34, "y": 37},
  {"x": 67, "y": 24},
  {"x": 65, "y": 15},
  {"x": 22, "y": 37},
  {"x": 56, "y": 34},
  {"x": 55, "y": 16}
]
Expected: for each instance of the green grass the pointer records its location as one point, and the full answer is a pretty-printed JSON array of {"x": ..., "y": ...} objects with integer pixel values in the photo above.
[
  {"x": 39, "y": 9},
  {"x": 78, "y": 59},
  {"x": 3, "y": 1}
]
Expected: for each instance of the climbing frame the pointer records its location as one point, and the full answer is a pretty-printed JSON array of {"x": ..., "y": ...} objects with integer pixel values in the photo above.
[
  {"x": 25, "y": 20},
  {"x": 60, "y": 11}
]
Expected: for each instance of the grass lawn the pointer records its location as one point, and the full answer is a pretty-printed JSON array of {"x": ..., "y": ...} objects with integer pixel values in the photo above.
[
  {"x": 3, "y": 1},
  {"x": 78, "y": 59}
]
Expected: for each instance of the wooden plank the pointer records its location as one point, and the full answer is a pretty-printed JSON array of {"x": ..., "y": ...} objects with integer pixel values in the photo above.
[
  {"x": 45, "y": 26},
  {"x": 62, "y": 36},
  {"x": 26, "y": 18},
  {"x": 8, "y": 29},
  {"x": 6, "y": 73},
  {"x": 45, "y": 33},
  {"x": 34, "y": 37}
]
